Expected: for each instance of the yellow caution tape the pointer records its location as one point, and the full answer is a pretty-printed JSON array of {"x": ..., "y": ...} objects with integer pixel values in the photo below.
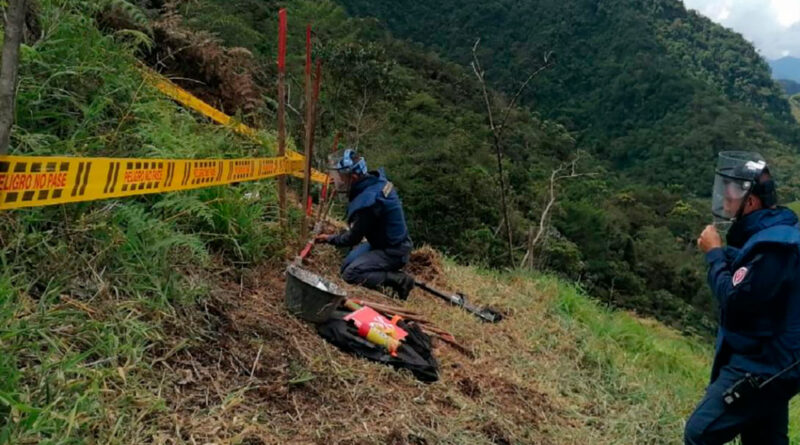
[
  {"x": 28, "y": 181},
  {"x": 316, "y": 176},
  {"x": 187, "y": 99},
  {"x": 32, "y": 181}
]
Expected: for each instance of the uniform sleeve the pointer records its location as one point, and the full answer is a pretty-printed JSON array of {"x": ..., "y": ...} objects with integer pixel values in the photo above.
[
  {"x": 362, "y": 221},
  {"x": 754, "y": 283}
]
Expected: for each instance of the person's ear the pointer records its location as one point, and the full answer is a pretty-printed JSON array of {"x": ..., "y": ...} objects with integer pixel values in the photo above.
[{"x": 753, "y": 202}]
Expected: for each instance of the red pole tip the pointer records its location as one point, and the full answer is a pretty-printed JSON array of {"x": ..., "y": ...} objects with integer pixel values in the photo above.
[{"x": 282, "y": 26}]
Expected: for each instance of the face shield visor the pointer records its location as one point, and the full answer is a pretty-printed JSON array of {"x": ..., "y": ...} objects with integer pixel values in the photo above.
[
  {"x": 735, "y": 177},
  {"x": 342, "y": 165},
  {"x": 729, "y": 197},
  {"x": 341, "y": 178}
]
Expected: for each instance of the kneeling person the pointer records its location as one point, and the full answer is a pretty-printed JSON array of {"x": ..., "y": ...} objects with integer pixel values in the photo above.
[{"x": 374, "y": 212}]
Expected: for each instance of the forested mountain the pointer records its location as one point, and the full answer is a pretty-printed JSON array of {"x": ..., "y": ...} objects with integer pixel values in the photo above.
[
  {"x": 642, "y": 94},
  {"x": 789, "y": 86},
  {"x": 647, "y": 93},
  {"x": 646, "y": 85},
  {"x": 786, "y": 68}
]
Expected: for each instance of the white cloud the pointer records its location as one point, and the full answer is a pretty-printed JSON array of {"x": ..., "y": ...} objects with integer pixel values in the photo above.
[
  {"x": 787, "y": 11},
  {"x": 772, "y": 25}
]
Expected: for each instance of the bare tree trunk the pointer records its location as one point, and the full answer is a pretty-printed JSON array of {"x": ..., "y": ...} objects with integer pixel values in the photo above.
[
  {"x": 497, "y": 134},
  {"x": 14, "y": 21},
  {"x": 533, "y": 241},
  {"x": 360, "y": 118},
  {"x": 496, "y": 139},
  {"x": 503, "y": 204}
]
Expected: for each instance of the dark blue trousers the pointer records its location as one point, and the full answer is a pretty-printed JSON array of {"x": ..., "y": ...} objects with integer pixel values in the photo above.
[
  {"x": 368, "y": 267},
  {"x": 764, "y": 420}
]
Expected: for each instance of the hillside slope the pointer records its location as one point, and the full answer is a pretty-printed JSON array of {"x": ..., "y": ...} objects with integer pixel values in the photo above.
[
  {"x": 160, "y": 319},
  {"x": 421, "y": 117},
  {"x": 233, "y": 367}
]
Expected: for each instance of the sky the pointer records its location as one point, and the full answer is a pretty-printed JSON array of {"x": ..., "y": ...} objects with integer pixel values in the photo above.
[{"x": 773, "y": 26}]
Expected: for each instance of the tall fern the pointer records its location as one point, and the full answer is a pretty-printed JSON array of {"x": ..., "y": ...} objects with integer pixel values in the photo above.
[
  {"x": 122, "y": 9},
  {"x": 131, "y": 12},
  {"x": 186, "y": 206}
]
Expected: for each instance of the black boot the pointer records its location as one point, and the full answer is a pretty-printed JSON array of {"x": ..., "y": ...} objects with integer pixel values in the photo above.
[{"x": 401, "y": 283}]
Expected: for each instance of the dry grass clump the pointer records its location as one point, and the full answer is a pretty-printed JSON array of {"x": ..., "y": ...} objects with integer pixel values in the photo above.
[{"x": 425, "y": 264}]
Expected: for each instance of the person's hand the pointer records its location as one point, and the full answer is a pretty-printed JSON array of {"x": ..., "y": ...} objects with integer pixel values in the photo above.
[
  {"x": 322, "y": 238},
  {"x": 709, "y": 239}
]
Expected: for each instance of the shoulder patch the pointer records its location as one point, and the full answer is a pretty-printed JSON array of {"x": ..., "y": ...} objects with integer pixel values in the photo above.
[
  {"x": 387, "y": 189},
  {"x": 739, "y": 276}
]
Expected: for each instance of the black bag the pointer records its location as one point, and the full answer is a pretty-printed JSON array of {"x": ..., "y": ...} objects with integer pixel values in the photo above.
[{"x": 414, "y": 353}]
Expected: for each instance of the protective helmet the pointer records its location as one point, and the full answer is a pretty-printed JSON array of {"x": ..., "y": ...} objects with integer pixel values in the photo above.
[
  {"x": 350, "y": 162},
  {"x": 738, "y": 175},
  {"x": 342, "y": 165}
]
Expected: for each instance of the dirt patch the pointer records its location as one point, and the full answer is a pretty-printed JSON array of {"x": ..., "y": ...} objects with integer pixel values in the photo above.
[
  {"x": 496, "y": 434},
  {"x": 525, "y": 403},
  {"x": 469, "y": 388},
  {"x": 397, "y": 437},
  {"x": 425, "y": 264}
]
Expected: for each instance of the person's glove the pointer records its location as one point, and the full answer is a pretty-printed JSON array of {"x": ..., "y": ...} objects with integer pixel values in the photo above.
[{"x": 322, "y": 238}]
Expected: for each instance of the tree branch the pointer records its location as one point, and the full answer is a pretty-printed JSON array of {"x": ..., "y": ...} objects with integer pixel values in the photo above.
[
  {"x": 476, "y": 67},
  {"x": 479, "y": 73},
  {"x": 547, "y": 64},
  {"x": 497, "y": 132},
  {"x": 554, "y": 179}
]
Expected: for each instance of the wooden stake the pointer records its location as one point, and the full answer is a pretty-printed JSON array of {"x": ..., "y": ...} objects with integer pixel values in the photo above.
[
  {"x": 309, "y": 132},
  {"x": 452, "y": 342},
  {"x": 282, "y": 31}
]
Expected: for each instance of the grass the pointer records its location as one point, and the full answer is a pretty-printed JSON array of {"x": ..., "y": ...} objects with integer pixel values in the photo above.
[
  {"x": 160, "y": 319},
  {"x": 560, "y": 369},
  {"x": 94, "y": 296}
]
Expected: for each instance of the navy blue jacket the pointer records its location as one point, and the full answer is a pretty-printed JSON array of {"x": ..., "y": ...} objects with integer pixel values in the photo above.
[
  {"x": 756, "y": 282},
  {"x": 375, "y": 212}
]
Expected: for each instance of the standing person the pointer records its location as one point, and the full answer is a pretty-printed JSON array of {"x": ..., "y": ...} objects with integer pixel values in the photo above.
[
  {"x": 374, "y": 212},
  {"x": 755, "y": 280}
]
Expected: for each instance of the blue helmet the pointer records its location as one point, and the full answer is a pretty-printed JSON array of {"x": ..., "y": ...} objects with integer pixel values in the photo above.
[{"x": 352, "y": 163}]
